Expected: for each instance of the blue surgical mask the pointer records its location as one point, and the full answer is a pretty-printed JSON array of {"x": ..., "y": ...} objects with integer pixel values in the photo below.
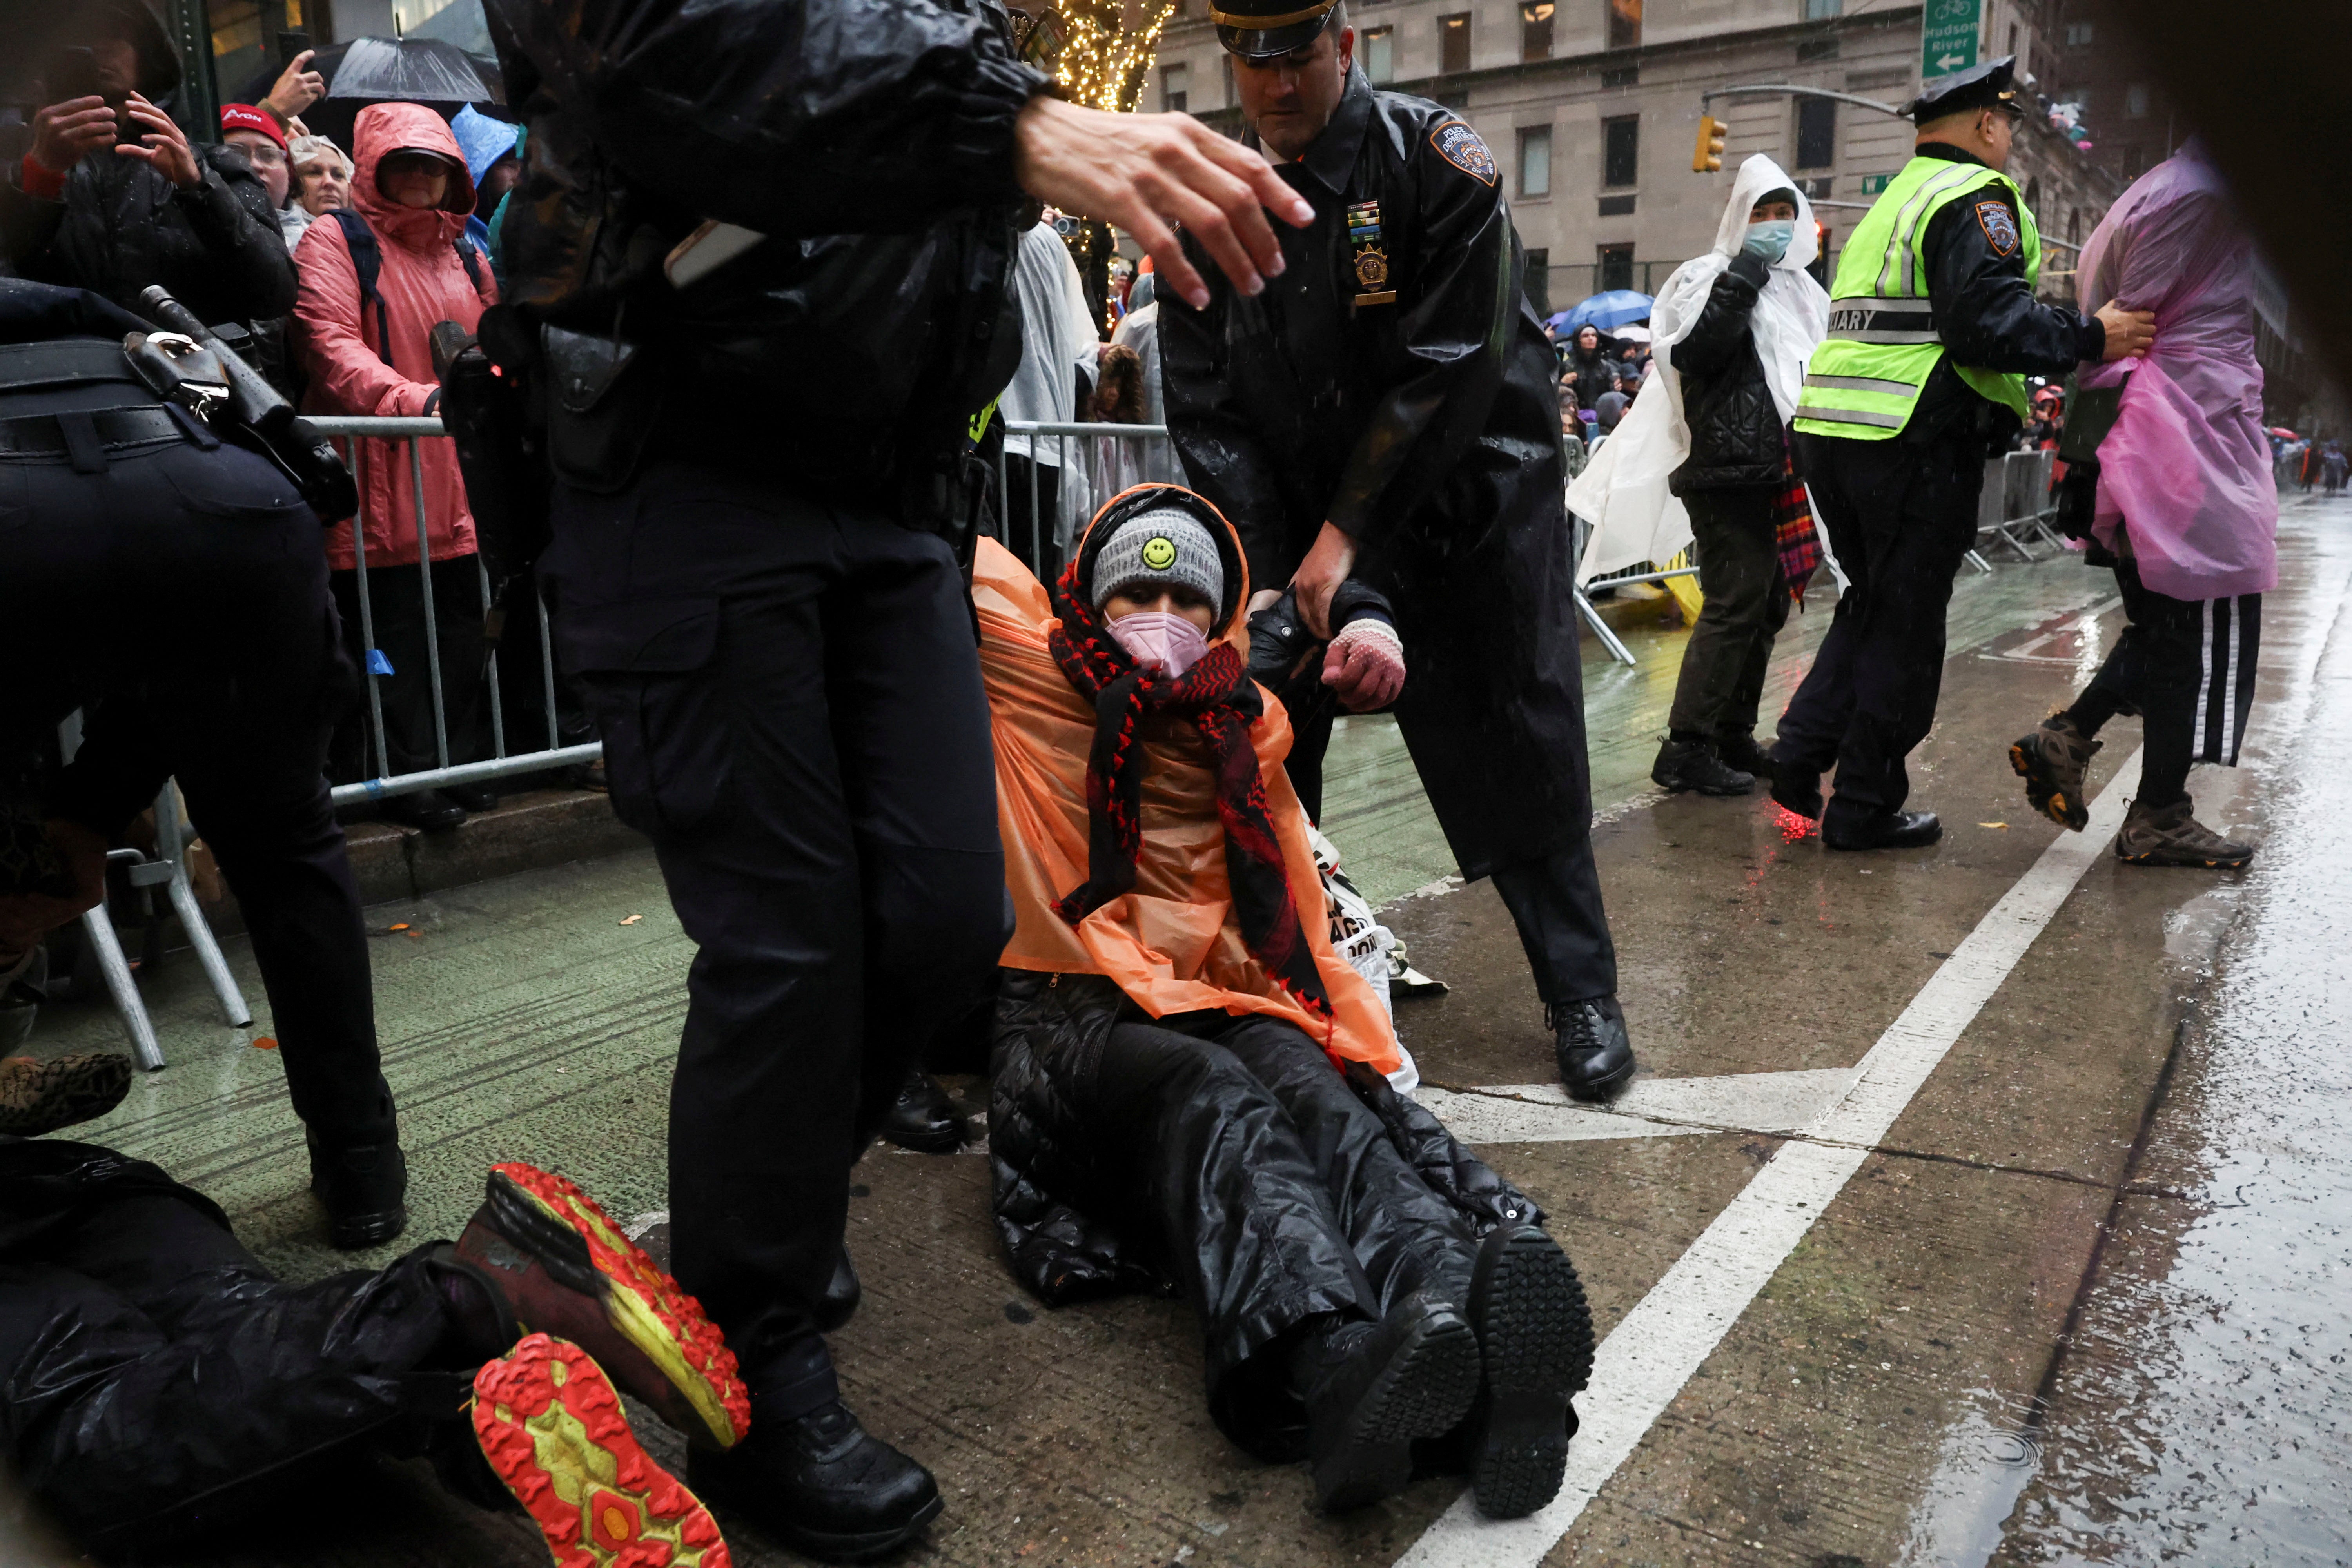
[{"x": 1769, "y": 239}]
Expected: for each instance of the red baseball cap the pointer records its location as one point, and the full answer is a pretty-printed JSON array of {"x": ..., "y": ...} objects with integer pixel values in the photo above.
[{"x": 245, "y": 117}]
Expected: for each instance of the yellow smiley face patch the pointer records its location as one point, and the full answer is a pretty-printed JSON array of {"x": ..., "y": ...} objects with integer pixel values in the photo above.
[{"x": 1159, "y": 552}]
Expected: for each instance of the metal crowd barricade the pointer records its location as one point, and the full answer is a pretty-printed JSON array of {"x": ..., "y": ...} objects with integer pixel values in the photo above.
[
  {"x": 502, "y": 763},
  {"x": 1103, "y": 458},
  {"x": 2014, "y": 507}
]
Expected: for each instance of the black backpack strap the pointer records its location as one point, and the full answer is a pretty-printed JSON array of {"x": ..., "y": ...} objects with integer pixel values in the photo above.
[
  {"x": 472, "y": 256},
  {"x": 367, "y": 266}
]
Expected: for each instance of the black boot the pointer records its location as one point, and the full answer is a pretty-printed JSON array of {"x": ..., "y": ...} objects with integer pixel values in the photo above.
[
  {"x": 1795, "y": 787},
  {"x": 1888, "y": 830},
  {"x": 426, "y": 809},
  {"x": 363, "y": 1186},
  {"x": 472, "y": 796},
  {"x": 842, "y": 1294},
  {"x": 1596, "y": 1056},
  {"x": 1371, "y": 1389},
  {"x": 924, "y": 1119},
  {"x": 1740, "y": 750},
  {"x": 821, "y": 1484},
  {"x": 1535, "y": 1341},
  {"x": 1693, "y": 765}
]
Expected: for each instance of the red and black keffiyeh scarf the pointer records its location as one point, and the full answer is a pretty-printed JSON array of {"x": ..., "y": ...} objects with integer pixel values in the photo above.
[
  {"x": 1792, "y": 530},
  {"x": 1218, "y": 697}
]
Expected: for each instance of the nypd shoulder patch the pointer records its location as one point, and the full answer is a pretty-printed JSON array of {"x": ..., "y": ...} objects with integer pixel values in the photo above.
[
  {"x": 1999, "y": 226},
  {"x": 1459, "y": 145}
]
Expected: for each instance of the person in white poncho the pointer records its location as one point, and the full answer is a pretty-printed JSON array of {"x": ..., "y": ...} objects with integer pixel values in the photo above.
[{"x": 1703, "y": 456}]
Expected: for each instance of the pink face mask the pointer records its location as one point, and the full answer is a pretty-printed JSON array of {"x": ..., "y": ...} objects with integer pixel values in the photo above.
[{"x": 1163, "y": 638}]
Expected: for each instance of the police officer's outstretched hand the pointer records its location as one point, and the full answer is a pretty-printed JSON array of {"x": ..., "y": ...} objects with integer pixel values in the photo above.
[
  {"x": 2129, "y": 332},
  {"x": 1146, "y": 172}
]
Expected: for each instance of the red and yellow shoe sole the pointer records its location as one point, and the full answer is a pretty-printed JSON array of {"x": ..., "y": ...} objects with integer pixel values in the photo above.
[
  {"x": 552, "y": 1428},
  {"x": 646, "y": 1307}
]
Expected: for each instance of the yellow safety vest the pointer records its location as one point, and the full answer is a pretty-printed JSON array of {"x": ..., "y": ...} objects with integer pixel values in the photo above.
[{"x": 1865, "y": 378}]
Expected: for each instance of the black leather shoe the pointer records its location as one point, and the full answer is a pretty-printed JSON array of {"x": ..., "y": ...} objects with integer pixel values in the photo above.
[
  {"x": 426, "y": 809},
  {"x": 821, "y": 1484},
  {"x": 924, "y": 1119},
  {"x": 842, "y": 1294},
  {"x": 1596, "y": 1057},
  {"x": 472, "y": 796},
  {"x": 1693, "y": 765},
  {"x": 363, "y": 1186},
  {"x": 1896, "y": 830},
  {"x": 1741, "y": 752},
  {"x": 1795, "y": 789},
  {"x": 1371, "y": 1389},
  {"x": 1534, "y": 1341}
]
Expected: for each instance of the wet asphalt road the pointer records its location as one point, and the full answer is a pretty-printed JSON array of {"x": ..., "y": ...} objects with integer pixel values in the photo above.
[{"x": 1981, "y": 1203}]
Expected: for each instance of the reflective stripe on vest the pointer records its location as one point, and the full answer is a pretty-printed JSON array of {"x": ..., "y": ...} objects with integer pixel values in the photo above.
[{"x": 1865, "y": 380}]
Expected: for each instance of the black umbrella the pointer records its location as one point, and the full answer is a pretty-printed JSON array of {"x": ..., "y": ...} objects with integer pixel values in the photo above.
[{"x": 439, "y": 74}]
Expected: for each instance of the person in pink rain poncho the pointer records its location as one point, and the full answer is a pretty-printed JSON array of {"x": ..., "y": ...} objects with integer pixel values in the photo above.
[{"x": 2186, "y": 513}]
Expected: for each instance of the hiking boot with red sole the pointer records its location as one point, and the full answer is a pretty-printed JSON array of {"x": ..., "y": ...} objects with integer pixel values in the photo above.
[
  {"x": 568, "y": 1269},
  {"x": 551, "y": 1425},
  {"x": 2052, "y": 760}
]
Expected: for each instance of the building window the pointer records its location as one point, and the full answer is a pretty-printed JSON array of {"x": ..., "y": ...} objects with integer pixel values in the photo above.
[
  {"x": 1616, "y": 267},
  {"x": 1538, "y": 280},
  {"x": 1535, "y": 30},
  {"x": 1816, "y": 132},
  {"x": 2074, "y": 225},
  {"x": 2135, "y": 161},
  {"x": 1535, "y": 161},
  {"x": 1621, "y": 150},
  {"x": 2033, "y": 191},
  {"x": 1453, "y": 43},
  {"x": 2135, "y": 101},
  {"x": 1380, "y": 54},
  {"x": 1617, "y": 206},
  {"x": 1822, "y": 10},
  {"x": 1624, "y": 23},
  {"x": 2012, "y": 39},
  {"x": 2078, "y": 35},
  {"x": 1175, "y": 87}
]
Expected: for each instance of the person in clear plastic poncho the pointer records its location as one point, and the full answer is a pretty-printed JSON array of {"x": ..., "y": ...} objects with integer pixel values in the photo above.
[{"x": 2184, "y": 509}]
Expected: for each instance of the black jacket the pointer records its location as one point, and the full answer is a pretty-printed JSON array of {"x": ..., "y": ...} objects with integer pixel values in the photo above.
[
  {"x": 1736, "y": 432},
  {"x": 1427, "y": 426},
  {"x": 122, "y": 225},
  {"x": 1987, "y": 315},
  {"x": 1590, "y": 376},
  {"x": 872, "y": 144}
]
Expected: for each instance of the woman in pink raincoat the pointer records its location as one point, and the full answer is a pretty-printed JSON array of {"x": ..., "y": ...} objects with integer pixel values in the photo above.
[
  {"x": 410, "y": 187},
  {"x": 2187, "y": 513}
]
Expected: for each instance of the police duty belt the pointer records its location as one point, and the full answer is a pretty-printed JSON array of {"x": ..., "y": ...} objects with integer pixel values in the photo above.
[{"x": 1372, "y": 262}]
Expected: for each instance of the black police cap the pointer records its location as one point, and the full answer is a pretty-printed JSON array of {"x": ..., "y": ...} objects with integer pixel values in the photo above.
[
  {"x": 1262, "y": 29},
  {"x": 1992, "y": 84}
]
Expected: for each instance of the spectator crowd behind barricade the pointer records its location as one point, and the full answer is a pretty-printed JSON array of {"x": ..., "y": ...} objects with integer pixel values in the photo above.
[{"x": 375, "y": 281}]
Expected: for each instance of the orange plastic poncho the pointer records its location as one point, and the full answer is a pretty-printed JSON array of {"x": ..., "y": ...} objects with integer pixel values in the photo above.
[{"x": 1172, "y": 944}]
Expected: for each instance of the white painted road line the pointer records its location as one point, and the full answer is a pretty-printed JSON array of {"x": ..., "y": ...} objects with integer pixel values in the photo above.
[
  {"x": 1652, "y": 1108},
  {"x": 1671, "y": 1332}
]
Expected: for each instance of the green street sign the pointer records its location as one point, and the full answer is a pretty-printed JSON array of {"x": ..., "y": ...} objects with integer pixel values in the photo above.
[
  {"x": 1875, "y": 184},
  {"x": 1947, "y": 36}
]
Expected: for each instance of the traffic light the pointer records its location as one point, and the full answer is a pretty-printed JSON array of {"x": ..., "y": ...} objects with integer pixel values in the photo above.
[{"x": 1708, "y": 159}]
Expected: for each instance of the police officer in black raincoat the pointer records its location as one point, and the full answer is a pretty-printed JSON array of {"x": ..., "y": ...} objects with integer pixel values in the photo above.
[
  {"x": 173, "y": 586},
  {"x": 1388, "y": 410},
  {"x": 764, "y": 474}
]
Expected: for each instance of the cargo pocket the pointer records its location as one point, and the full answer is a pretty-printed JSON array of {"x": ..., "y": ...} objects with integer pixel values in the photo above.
[{"x": 649, "y": 672}]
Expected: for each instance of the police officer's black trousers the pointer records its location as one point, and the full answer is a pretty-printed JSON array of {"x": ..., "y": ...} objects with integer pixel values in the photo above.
[
  {"x": 180, "y": 598},
  {"x": 790, "y": 697},
  {"x": 154, "y": 1371},
  {"x": 1900, "y": 518}
]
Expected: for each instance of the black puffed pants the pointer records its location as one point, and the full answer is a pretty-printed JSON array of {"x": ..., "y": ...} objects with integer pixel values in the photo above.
[
  {"x": 154, "y": 1371},
  {"x": 1900, "y": 518},
  {"x": 790, "y": 697},
  {"x": 1746, "y": 606},
  {"x": 180, "y": 598}
]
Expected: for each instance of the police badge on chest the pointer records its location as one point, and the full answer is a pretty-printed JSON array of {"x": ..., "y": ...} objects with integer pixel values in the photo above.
[{"x": 1368, "y": 256}]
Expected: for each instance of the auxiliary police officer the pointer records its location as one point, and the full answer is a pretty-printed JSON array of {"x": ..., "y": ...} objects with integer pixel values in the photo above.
[
  {"x": 1933, "y": 328},
  {"x": 1387, "y": 411}
]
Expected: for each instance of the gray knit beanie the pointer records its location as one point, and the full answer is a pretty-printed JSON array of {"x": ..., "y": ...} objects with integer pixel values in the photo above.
[{"x": 1165, "y": 545}]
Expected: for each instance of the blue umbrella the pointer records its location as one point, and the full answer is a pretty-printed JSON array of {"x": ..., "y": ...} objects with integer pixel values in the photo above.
[{"x": 1613, "y": 309}]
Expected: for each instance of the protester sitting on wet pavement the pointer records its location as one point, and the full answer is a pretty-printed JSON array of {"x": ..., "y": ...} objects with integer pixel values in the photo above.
[
  {"x": 162, "y": 1385},
  {"x": 368, "y": 351},
  {"x": 113, "y": 198},
  {"x": 1734, "y": 329},
  {"x": 2190, "y": 526},
  {"x": 1187, "y": 1076}
]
